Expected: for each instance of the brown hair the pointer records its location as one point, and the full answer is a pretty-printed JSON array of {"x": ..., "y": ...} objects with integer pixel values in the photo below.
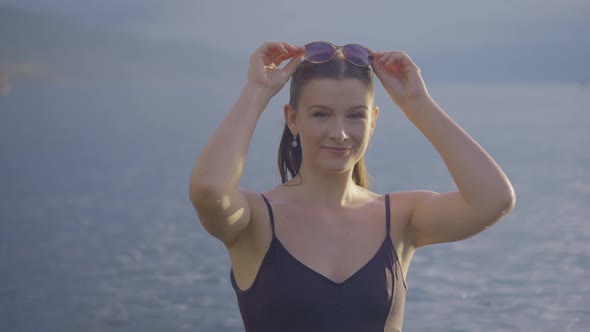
[{"x": 338, "y": 68}]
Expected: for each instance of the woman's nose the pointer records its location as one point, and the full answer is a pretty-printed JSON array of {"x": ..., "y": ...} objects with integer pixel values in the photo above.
[{"x": 338, "y": 131}]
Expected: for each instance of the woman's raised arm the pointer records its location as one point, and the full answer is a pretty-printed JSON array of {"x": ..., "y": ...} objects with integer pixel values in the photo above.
[
  {"x": 222, "y": 207},
  {"x": 485, "y": 194}
]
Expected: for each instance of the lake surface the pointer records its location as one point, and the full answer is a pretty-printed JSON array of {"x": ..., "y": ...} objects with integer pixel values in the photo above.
[{"x": 97, "y": 232}]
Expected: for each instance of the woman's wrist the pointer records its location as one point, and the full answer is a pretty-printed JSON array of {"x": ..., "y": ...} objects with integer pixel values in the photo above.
[
  {"x": 416, "y": 105},
  {"x": 256, "y": 95},
  {"x": 411, "y": 102}
]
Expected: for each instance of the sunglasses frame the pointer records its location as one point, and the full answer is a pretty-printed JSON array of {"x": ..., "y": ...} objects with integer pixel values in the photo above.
[{"x": 341, "y": 49}]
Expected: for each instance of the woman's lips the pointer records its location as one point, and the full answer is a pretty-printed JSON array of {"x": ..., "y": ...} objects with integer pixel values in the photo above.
[{"x": 337, "y": 150}]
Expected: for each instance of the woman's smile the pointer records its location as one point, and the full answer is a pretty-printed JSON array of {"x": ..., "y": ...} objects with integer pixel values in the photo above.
[{"x": 338, "y": 150}]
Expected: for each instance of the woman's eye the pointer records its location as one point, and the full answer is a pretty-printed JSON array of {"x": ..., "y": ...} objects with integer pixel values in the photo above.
[
  {"x": 357, "y": 115},
  {"x": 320, "y": 114}
]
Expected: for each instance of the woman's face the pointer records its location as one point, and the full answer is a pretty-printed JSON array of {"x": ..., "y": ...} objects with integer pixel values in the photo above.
[{"x": 334, "y": 121}]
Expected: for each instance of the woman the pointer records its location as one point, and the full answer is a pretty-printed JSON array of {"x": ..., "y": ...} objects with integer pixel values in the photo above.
[{"x": 321, "y": 252}]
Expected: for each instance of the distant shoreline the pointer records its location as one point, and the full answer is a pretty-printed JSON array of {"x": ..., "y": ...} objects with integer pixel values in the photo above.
[{"x": 4, "y": 84}]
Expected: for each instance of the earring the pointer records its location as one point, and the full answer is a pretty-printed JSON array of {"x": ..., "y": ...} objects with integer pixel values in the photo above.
[{"x": 294, "y": 142}]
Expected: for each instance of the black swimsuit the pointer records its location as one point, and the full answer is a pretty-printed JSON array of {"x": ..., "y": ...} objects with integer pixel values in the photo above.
[{"x": 287, "y": 295}]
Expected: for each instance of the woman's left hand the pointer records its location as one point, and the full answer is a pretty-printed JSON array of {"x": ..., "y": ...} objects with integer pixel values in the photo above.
[{"x": 400, "y": 76}]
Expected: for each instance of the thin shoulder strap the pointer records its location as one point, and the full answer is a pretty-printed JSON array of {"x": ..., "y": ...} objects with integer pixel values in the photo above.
[
  {"x": 272, "y": 220},
  {"x": 387, "y": 213}
]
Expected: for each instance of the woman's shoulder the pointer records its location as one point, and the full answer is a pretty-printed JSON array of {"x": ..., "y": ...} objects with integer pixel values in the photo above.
[
  {"x": 406, "y": 198},
  {"x": 281, "y": 195},
  {"x": 282, "y": 192},
  {"x": 410, "y": 198}
]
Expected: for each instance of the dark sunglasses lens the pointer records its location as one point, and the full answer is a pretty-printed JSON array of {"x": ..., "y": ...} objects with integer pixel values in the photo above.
[
  {"x": 357, "y": 54},
  {"x": 319, "y": 52}
]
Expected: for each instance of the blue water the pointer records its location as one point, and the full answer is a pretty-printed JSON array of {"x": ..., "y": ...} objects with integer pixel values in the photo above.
[{"x": 97, "y": 232}]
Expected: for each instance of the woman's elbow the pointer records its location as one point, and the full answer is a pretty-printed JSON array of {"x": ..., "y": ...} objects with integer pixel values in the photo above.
[{"x": 506, "y": 201}]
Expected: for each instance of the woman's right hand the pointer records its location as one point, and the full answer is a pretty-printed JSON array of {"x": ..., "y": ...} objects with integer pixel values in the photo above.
[{"x": 263, "y": 71}]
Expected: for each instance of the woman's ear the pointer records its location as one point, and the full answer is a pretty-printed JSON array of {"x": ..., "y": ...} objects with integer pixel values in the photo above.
[
  {"x": 374, "y": 118},
  {"x": 290, "y": 116}
]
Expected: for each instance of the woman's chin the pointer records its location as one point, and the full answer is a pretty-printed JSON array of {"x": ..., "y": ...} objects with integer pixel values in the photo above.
[{"x": 337, "y": 168}]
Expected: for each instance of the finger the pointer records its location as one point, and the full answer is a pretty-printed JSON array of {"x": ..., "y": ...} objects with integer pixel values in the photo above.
[
  {"x": 271, "y": 49},
  {"x": 407, "y": 60},
  {"x": 280, "y": 55},
  {"x": 272, "y": 46},
  {"x": 392, "y": 59},
  {"x": 266, "y": 53},
  {"x": 292, "y": 54},
  {"x": 279, "y": 49},
  {"x": 377, "y": 54},
  {"x": 398, "y": 59},
  {"x": 265, "y": 48},
  {"x": 378, "y": 68},
  {"x": 292, "y": 65},
  {"x": 385, "y": 64},
  {"x": 283, "y": 57},
  {"x": 383, "y": 60},
  {"x": 294, "y": 51},
  {"x": 292, "y": 47}
]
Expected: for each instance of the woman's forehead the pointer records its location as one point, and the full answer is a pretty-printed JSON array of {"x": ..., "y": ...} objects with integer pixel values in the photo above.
[{"x": 336, "y": 92}]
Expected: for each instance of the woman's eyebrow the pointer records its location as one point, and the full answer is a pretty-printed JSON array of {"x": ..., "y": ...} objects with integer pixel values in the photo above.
[
  {"x": 328, "y": 108},
  {"x": 318, "y": 106},
  {"x": 359, "y": 106}
]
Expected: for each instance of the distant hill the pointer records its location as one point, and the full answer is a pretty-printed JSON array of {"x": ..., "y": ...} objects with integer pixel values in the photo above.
[{"x": 39, "y": 46}]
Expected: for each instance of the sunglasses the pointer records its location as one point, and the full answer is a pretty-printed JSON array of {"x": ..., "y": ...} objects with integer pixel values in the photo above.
[{"x": 320, "y": 52}]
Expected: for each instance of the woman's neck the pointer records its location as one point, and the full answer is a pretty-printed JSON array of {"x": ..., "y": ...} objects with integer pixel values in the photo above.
[{"x": 331, "y": 189}]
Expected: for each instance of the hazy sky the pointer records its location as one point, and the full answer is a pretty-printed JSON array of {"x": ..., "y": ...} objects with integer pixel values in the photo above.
[{"x": 424, "y": 27}]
